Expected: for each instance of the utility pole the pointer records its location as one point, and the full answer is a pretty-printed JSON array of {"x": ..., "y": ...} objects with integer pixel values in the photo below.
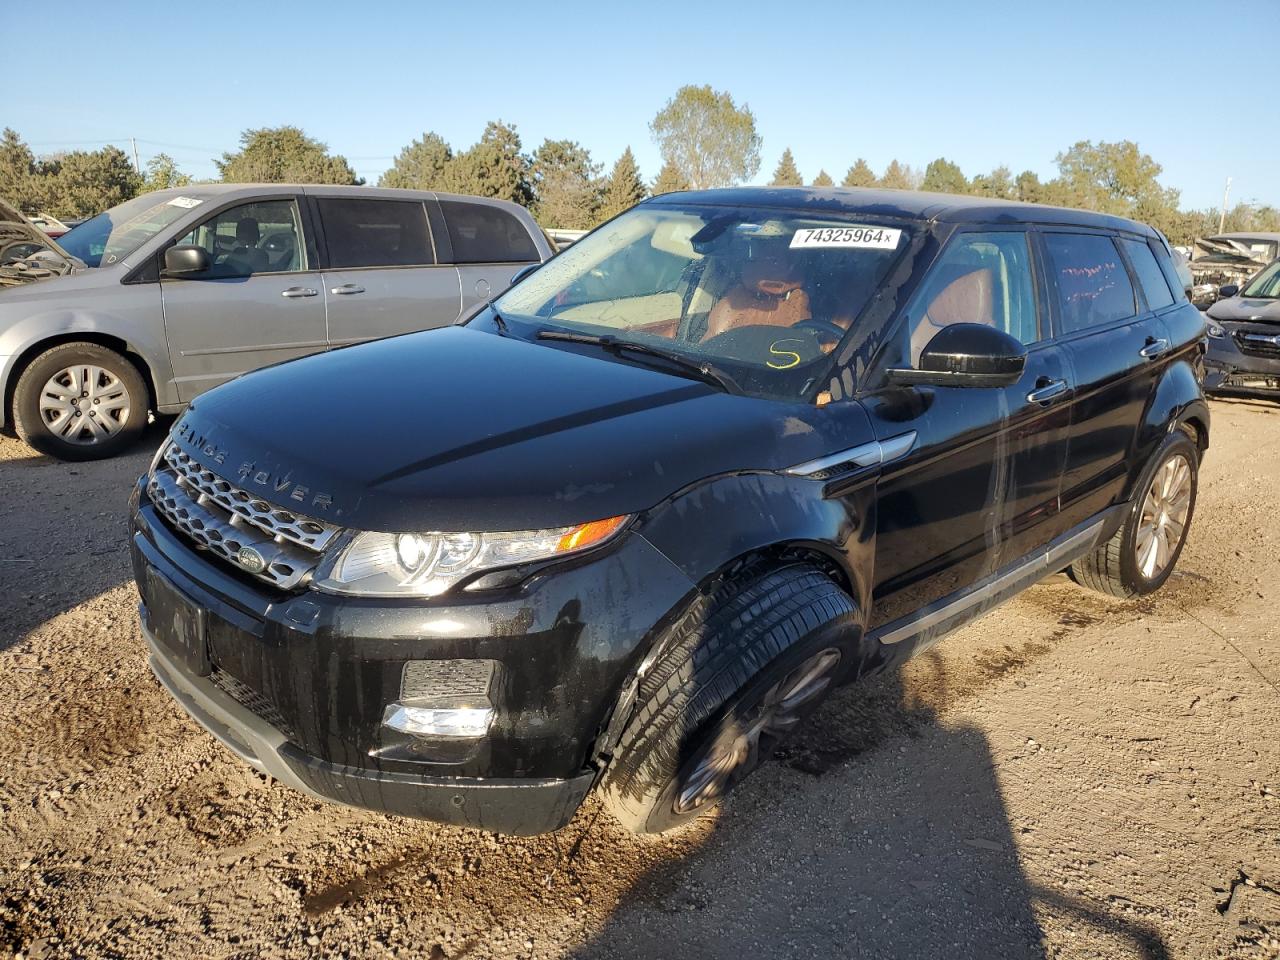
[
  {"x": 138, "y": 166},
  {"x": 1222, "y": 218}
]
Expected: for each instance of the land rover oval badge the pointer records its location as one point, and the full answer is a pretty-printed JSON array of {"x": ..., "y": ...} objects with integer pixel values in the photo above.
[{"x": 251, "y": 560}]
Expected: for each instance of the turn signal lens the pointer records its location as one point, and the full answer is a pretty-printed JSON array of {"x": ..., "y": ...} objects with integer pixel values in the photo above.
[{"x": 586, "y": 534}]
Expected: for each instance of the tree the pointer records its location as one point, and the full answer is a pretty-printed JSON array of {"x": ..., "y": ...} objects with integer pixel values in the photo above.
[
  {"x": 708, "y": 138},
  {"x": 669, "y": 180},
  {"x": 943, "y": 176},
  {"x": 623, "y": 189},
  {"x": 419, "y": 166},
  {"x": 998, "y": 183},
  {"x": 1028, "y": 188},
  {"x": 283, "y": 155},
  {"x": 493, "y": 167},
  {"x": 859, "y": 175},
  {"x": 823, "y": 179},
  {"x": 19, "y": 185},
  {"x": 86, "y": 182},
  {"x": 1113, "y": 178},
  {"x": 565, "y": 185},
  {"x": 895, "y": 177},
  {"x": 787, "y": 174},
  {"x": 163, "y": 173}
]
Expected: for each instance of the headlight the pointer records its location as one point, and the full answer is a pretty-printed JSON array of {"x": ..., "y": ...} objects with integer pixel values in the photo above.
[
  {"x": 1214, "y": 330},
  {"x": 427, "y": 564}
]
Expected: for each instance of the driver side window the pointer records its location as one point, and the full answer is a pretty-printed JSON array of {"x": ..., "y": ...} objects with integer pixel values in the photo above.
[
  {"x": 260, "y": 237},
  {"x": 979, "y": 278}
]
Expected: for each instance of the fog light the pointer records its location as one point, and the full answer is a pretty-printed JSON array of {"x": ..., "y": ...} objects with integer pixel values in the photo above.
[{"x": 438, "y": 721}]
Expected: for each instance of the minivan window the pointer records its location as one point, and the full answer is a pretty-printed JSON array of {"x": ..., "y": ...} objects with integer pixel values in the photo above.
[
  {"x": 979, "y": 278},
  {"x": 1092, "y": 283},
  {"x": 375, "y": 233},
  {"x": 260, "y": 237},
  {"x": 113, "y": 235},
  {"x": 1150, "y": 277},
  {"x": 481, "y": 233}
]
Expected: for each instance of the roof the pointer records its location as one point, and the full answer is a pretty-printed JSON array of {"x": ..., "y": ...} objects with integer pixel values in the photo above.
[
  {"x": 233, "y": 190},
  {"x": 904, "y": 204}
]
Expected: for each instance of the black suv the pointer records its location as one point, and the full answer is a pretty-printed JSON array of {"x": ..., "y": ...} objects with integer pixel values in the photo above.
[{"x": 628, "y": 525}]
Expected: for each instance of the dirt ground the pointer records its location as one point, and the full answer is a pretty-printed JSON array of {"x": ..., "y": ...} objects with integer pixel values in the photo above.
[{"x": 1071, "y": 776}]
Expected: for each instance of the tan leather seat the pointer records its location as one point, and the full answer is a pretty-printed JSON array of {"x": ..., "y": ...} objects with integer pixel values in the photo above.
[
  {"x": 767, "y": 296},
  {"x": 969, "y": 298}
]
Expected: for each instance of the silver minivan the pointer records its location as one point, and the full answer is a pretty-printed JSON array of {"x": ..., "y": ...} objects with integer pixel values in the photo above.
[{"x": 177, "y": 291}]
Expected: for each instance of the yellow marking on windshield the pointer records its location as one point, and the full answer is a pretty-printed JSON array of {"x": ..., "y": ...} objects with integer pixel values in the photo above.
[{"x": 794, "y": 358}]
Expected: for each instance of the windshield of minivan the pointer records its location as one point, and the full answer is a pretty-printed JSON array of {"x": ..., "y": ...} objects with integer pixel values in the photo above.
[
  {"x": 113, "y": 235},
  {"x": 760, "y": 295},
  {"x": 1266, "y": 284}
]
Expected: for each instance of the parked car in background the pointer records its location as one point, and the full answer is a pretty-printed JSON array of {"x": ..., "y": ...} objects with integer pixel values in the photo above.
[
  {"x": 177, "y": 291},
  {"x": 627, "y": 527},
  {"x": 49, "y": 225},
  {"x": 1244, "y": 337},
  {"x": 1228, "y": 259}
]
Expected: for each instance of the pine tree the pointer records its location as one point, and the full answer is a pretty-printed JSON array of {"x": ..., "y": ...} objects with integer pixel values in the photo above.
[
  {"x": 823, "y": 179},
  {"x": 623, "y": 189},
  {"x": 895, "y": 177},
  {"x": 859, "y": 175},
  {"x": 421, "y": 165},
  {"x": 943, "y": 176},
  {"x": 669, "y": 180},
  {"x": 787, "y": 174}
]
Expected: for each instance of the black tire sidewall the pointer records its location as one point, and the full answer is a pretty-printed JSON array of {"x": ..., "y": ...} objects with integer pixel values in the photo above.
[
  {"x": 1134, "y": 579},
  {"x": 30, "y": 425}
]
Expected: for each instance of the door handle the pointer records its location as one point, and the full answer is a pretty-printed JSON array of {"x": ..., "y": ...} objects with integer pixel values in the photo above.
[
  {"x": 299, "y": 292},
  {"x": 346, "y": 288},
  {"x": 1155, "y": 347},
  {"x": 1047, "y": 391}
]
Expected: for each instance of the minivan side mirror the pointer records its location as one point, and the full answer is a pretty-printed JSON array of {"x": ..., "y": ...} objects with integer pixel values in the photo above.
[
  {"x": 186, "y": 258},
  {"x": 966, "y": 355},
  {"x": 1228, "y": 290}
]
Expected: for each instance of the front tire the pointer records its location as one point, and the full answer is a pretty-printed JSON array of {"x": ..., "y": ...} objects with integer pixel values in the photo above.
[
  {"x": 80, "y": 401},
  {"x": 741, "y": 670}
]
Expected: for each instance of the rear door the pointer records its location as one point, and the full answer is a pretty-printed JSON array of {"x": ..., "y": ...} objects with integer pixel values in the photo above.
[
  {"x": 260, "y": 303},
  {"x": 381, "y": 275},
  {"x": 1115, "y": 346},
  {"x": 488, "y": 244}
]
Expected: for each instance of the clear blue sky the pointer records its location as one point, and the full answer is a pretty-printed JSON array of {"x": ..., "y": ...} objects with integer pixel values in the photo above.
[{"x": 979, "y": 83}]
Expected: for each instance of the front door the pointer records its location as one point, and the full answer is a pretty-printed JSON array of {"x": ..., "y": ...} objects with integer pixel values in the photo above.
[{"x": 259, "y": 303}]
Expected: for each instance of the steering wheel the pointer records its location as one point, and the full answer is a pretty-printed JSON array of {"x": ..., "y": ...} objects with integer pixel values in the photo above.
[{"x": 824, "y": 328}]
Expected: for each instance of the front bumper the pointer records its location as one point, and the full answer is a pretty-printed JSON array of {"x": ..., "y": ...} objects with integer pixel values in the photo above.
[{"x": 1228, "y": 369}]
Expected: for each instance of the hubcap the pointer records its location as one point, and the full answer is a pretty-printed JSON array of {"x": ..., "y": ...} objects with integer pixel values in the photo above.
[
  {"x": 736, "y": 749},
  {"x": 1164, "y": 516},
  {"x": 84, "y": 404}
]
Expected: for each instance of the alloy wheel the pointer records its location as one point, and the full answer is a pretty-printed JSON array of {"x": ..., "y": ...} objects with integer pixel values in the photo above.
[{"x": 1163, "y": 520}]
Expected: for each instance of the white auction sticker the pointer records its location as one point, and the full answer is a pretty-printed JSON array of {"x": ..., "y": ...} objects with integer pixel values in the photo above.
[
  {"x": 185, "y": 202},
  {"x": 879, "y": 238}
]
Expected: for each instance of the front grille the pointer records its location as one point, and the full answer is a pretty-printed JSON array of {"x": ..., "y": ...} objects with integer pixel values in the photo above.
[
  {"x": 252, "y": 700},
  {"x": 222, "y": 519},
  {"x": 446, "y": 680},
  {"x": 1257, "y": 344}
]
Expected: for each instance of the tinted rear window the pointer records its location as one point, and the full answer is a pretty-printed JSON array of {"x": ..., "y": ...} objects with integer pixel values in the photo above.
[
  {"x": 484, "y": 234},
  {"x": 375, "y": 233},
  {"x": 1150, "y": 277},
  {"x": 1092, "y": 283}
]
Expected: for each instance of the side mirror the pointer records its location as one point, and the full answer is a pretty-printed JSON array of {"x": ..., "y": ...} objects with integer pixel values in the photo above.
[
  {"x": 186, "y": 258},
  {"x": 1228, "y": 290},
  {"x": 967, "y": 355},
  {"x": 523, "y": 272}
]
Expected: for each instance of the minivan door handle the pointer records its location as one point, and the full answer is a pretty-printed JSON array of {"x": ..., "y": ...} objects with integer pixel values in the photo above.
[
  {"x": 299, "y": 292},
  {"x": 1047, "y": 391},
  {"x": 1156, "y": 346},
  {"x": 346, "y": 288}
]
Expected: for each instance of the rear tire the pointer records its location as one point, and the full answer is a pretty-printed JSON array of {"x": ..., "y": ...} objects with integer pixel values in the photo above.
[
  {"x": 80, "y": 401},
  {"x": 741, "y": 669},
  {"x": 1141, "y": 555}
]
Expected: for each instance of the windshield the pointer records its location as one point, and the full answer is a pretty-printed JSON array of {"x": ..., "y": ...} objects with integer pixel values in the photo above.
[
  {"x": 761, "y": 295},
  {"x": 1265, "y": 284},
  {"x": 113, "y": 235}
]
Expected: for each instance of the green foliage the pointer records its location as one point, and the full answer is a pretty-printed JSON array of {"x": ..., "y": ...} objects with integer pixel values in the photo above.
[
  {"x": 823, "y": 179},
  {"x": 707, "y": 138},
  {"x": 669, "y": 180},
  {"x": 787, "y": 174},
  {"x": 623, "y": 189},
  {"x": 163, "y": 173},
  {"x": 859, "y": 175},
  {"x": 565, "y": 185},
  {"x": 1028, "y": 188},
  {"x": 19, "y": 183},
  {"x": 943, "y": 176},
  {"x": 998, "y": 183},
  {"x": 419, "y": 166},
  {"x": 493, "y": 167},
  {"x": 283, "y": 155},
  {"x": 86, "y": 182},
  {"x": 895, "y": 177}
]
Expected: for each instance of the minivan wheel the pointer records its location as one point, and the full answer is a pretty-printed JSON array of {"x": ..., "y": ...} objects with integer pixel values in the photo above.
[
  {"x": 740, "y": 671},
  {"x": 1142, "y": 554},
  {"x": 80, "y": 401}
]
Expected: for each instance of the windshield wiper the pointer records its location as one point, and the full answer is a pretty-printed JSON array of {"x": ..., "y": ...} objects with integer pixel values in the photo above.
[{"x": 697, "y": 370}]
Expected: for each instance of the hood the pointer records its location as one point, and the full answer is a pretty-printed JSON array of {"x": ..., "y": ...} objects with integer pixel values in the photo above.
[
  {"x": 17, "y": 233},
  {"x": 459, "y": 429},
  {"x": 1263, "y": 310}
]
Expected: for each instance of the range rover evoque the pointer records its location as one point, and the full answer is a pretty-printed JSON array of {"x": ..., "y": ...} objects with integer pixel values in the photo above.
[{"x": 627, "y": 526}]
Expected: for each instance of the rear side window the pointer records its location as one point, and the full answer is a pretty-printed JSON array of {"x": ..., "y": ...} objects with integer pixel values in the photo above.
[
  {"x": 375, "y": 233},
  {"x": 484, "y": 234},
  {"x": 1150, "y": 278},
  {"x": 1092, "y": 284}
]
